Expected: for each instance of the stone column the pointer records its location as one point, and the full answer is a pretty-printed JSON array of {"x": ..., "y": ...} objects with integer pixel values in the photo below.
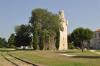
[{"x": 63, "y": 44}]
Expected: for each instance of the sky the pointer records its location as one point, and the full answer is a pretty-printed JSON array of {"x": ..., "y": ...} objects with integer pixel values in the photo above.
[{"x": 80, "y": 13}]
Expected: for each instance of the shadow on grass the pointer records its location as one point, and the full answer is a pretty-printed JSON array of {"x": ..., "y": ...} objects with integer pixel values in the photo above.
[
  {"x": 89, "y": 57},
  {"x": 66, "y": 52}
]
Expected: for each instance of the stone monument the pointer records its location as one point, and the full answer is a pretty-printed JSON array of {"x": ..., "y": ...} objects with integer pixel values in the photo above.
[{"x": 63, "y": 44}]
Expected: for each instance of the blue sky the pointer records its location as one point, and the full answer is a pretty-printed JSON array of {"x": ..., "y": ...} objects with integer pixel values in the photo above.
[{"x": 80, "y": 13}]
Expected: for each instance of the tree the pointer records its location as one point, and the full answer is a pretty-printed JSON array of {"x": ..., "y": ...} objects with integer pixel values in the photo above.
[
  {"x": 22, "y": 36},
  {"x": 57, "y": 39},
  {"x": 89, "y": 35},
  {"x": 3, "y": 43},
  {"x": 11, "y": 41},
  {"x": 80, "y": 35},
  {"x": 35, "y": 40},
  {"x": 45, "y": 24},
  {"x": 70, "y": 42}
]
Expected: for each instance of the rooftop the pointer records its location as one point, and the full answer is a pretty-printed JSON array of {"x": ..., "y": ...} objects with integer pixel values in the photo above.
[{"x": 97, "y": 30}]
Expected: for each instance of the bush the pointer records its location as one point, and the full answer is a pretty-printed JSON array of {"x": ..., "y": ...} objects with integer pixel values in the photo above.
[{"x": 71, "y": 46}]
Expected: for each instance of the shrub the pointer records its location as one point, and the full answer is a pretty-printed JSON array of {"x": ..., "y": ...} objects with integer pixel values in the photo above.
[{"x": 71, "y": 46}]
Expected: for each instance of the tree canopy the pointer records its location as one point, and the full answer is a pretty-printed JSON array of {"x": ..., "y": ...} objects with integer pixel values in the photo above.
[
  {"x": 3, "y": 43},
  {"x": 45, "y": 26},
  {"x": 22, "y": 35},
  {"x": 79, "y": 35},
  {"x": 11, "y": 41}
]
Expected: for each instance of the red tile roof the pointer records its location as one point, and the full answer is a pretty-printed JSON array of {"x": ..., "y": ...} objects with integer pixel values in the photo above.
[{"x": 97, "y": 30}]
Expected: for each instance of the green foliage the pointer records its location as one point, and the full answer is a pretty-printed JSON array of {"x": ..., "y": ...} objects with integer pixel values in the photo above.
[
  {"x": 3, "y": 43},
  {"x": 88, "y": 34},
  {"x": 44, "y": 39},
  {"x": 57, "y": 39},
  {"x": 70, "y": 40},
  {"x": 71, "y": 46},
  {"x": 43, "y": 21},
  {"x": 80, "y": 34},
  {"x": 35, "y": 40},
  {"x": 11, "y": 41},
  {"x": 44, "y": 27},
  {"x": 22, "y": 37}
]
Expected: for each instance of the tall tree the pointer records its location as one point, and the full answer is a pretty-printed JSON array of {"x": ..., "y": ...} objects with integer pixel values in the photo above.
[
  {"x": 57, "y": 39},
  {"x": 80, "y": 35},
  {"x": 3, "y": 43},
  {"x": 11, "y": 41},
  {"x": 46, "y": 24},
  {"x": 22, "y": 36},
  {"x": 35, "y": 40}
]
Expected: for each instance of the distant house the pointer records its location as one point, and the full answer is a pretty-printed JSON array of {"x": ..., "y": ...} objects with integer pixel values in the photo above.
[{"x": 95, "y": 41}]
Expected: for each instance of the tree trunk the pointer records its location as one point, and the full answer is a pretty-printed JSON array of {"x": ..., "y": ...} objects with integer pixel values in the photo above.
[
  {"x": 82, "y": 46},
  {"x": 53, "y": 43},
  {"x": 24, "y": 47}
]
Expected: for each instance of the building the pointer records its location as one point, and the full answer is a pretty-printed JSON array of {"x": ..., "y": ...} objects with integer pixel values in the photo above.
[
  {"x": 63, "y": 44},
  {"x": 95, "y": 41}
]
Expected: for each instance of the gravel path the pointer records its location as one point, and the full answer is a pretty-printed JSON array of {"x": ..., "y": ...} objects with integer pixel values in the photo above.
[
  {"x": 16, "y": 61},
  {"x": 4, "y": 62},
  {"x": 68, "y": 55}
]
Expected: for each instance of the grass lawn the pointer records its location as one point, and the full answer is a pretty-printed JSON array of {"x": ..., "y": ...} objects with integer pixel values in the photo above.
[
  {"x": 53, "y": 58},
  {"x": 6, "y": 49},
  {"x": 80, "y": 53},
  {"x": 97, "y": 50}
]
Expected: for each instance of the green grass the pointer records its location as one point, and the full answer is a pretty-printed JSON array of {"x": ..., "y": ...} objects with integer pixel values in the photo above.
[
  {"x": 50, "y": 58},
  {"x": 80, "y": 53},
  {"x": 97, "y": 50},
  {"x": 6, "y": 49}
]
